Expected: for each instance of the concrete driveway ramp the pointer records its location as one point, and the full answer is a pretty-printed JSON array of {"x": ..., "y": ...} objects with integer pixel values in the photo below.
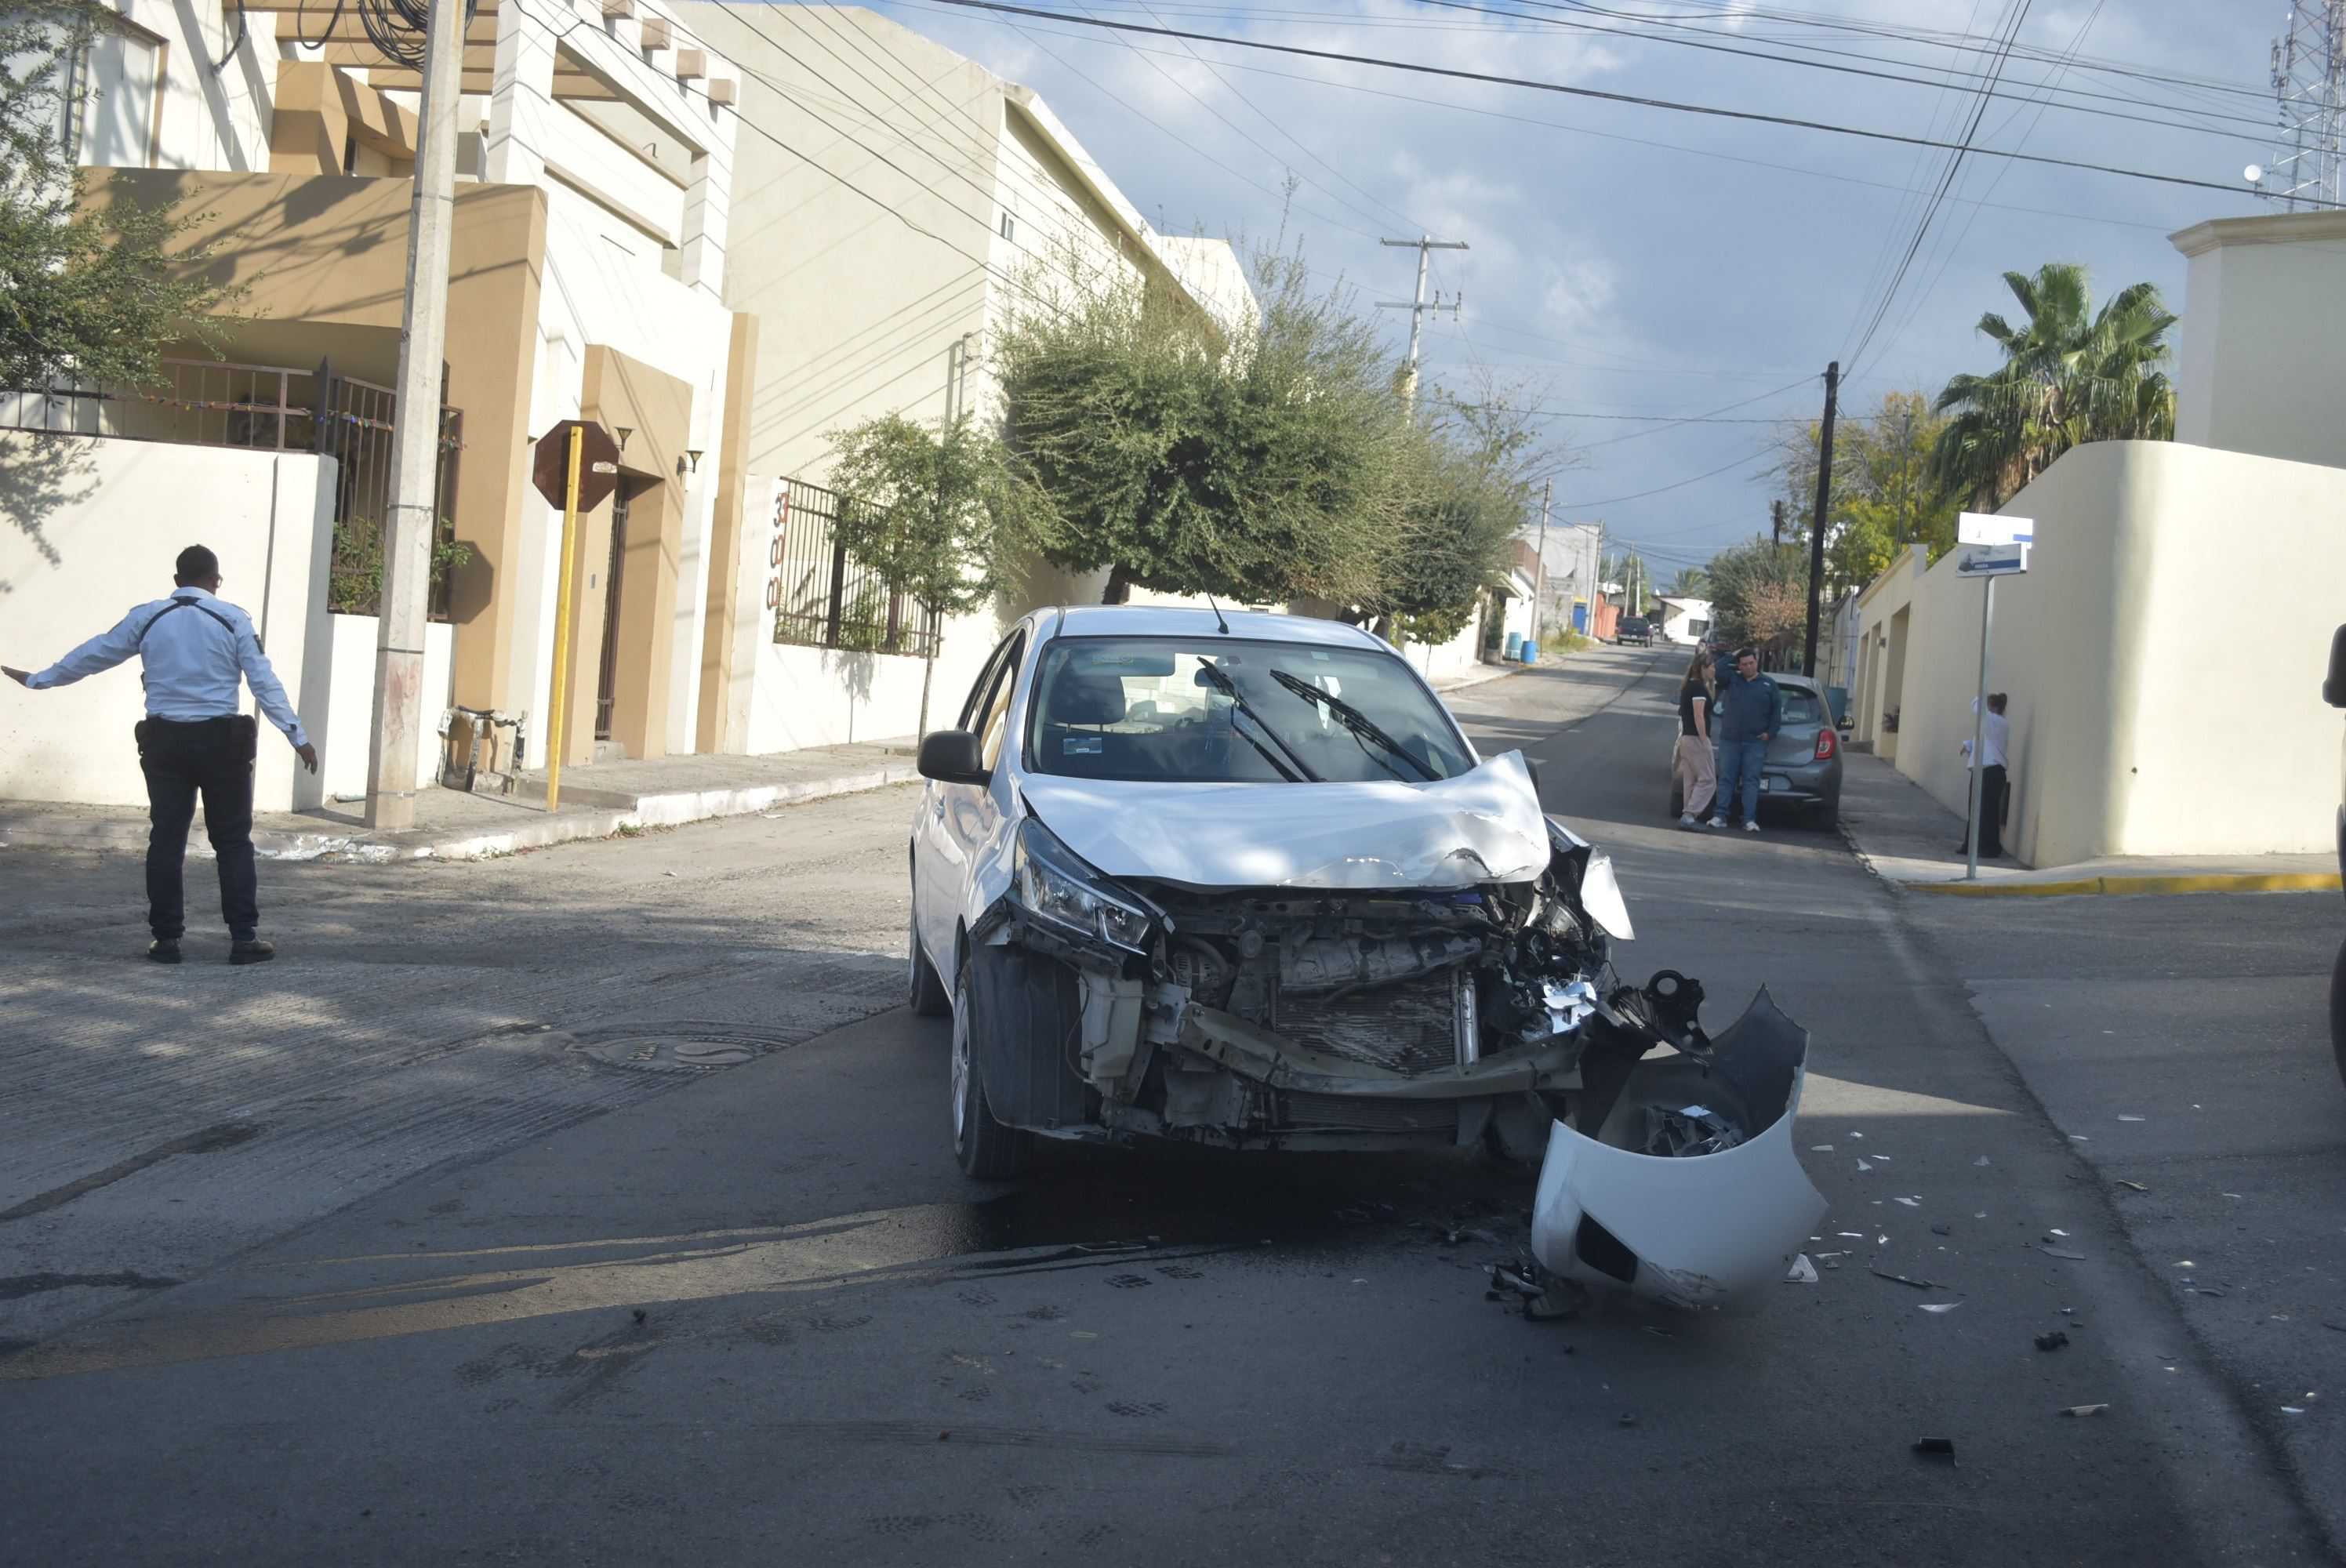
[{"x": 1690, "y": 1192}]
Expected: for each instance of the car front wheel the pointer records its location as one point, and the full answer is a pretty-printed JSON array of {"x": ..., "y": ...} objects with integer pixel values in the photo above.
[{"x": 984, "y": 1147}]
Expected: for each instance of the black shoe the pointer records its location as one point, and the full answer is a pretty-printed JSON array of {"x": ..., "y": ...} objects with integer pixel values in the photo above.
[
  {"x": 250, "y": 950},
  {"x": 163, "y": 950}
]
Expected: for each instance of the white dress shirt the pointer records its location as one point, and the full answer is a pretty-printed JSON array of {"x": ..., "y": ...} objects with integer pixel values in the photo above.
[
  {"x": 1996, "y": 737},
  {"x": 195, "y": 649}
]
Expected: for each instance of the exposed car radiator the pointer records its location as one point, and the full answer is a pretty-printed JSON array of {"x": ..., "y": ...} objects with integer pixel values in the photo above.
[{"x": 1415, "y": 1026}]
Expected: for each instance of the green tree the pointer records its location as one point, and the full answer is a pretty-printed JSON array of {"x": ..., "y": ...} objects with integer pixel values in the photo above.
[
  {"x": 1691, "y": 583},
  {"x": 1759, "y": 591},
  {"x": 1474, "y": 496},
  {"x": 94, "y": 295},
  {"x": 2070, "y": 375},
  {"x": 1269, "y": 463},
  {"x": 935, "y": 512}
]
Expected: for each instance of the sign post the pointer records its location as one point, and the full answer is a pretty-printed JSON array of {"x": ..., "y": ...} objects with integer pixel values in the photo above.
[
  {"x": 576, "y": 467},
  {"x": 1987, "y": 548}
]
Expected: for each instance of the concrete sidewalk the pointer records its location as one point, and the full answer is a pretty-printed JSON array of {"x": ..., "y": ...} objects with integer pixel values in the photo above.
[
  {"x": 1907, "y": 839},
  {"x": 598, "y": 801}
]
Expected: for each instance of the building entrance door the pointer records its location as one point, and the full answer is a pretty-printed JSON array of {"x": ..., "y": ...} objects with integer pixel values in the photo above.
[{"x": 607, "y": 680}]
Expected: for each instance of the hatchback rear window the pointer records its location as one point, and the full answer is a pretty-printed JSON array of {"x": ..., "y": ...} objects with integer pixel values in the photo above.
[{"x": 1801, "y": 707}]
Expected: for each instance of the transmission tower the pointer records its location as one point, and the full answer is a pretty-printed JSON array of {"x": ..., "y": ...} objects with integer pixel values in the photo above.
[{"x": 2309, "y": 78}]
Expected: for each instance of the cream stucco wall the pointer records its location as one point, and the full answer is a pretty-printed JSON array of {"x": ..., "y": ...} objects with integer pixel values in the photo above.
[
  {"x": 2134, "y": 730},
  {"x": 2261, "y": 365},
  {"x": 1884, "y": 617},
  {"x": 88, "y": 529}
]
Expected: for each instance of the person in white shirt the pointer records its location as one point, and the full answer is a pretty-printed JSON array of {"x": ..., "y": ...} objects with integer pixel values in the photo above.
[
  {"x": 195, "y": 649},
  {"x": 1995, "y": 741}
]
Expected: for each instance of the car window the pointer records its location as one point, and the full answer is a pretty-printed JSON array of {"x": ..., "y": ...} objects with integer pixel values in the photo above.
[
  {"x": 1801, "y": 707},
  {"x": 984, "y": 682},
  {"x": 1227, "y": 710},
  {"x": 994, "y": 723}
]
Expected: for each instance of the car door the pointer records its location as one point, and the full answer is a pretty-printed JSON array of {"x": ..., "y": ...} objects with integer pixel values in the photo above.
[
  {"x": 936, "y": 893},
  {"x": 956, "y": 819}
]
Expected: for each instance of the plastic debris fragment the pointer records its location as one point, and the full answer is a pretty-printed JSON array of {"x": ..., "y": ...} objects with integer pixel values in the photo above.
[
  {"x": 1903, "y": 1280},
  {"x": 1804, "y": 1271},
  {"x": 1863, "y": 1166},
  {"x": 1908, "y": 1202},
  {"x": 1820, "y": 1148},
  {"x": 2055, "y": 1341},
  {"x": 1981, "y": 1161},
  {"x": 2135, "y": 1186},
  {"x": 2061, "y": 1252},
  {"x": 2085, "y": 1409},
  {"x": 1941, "y": 1306},
  {"x": 2133, "y": 1118}
]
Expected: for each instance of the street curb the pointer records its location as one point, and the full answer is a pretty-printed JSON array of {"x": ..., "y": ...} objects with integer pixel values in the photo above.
[
  {"x": 668, "y": 811},
  {"x": 2207, "y": 883}
]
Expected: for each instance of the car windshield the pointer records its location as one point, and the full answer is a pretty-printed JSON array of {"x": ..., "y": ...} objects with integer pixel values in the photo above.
[{"x": 1170, "y": 710}]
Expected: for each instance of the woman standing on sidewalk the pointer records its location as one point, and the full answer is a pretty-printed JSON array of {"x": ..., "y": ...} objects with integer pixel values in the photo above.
[{"x": 1697, "y": 769}]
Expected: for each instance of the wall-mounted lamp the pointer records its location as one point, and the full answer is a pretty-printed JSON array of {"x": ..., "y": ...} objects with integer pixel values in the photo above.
[
  {"x": 625, "y": 431},
  {"x": 692, "y": 452}
]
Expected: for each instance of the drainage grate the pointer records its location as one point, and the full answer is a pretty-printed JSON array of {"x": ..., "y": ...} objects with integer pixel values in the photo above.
[{"x": 678, "y": 1047}]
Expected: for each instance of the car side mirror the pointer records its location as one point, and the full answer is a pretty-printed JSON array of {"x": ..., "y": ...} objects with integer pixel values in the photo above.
[
  {"x": 2333, "y": 690},
  {"x": 950, "y": 756}
]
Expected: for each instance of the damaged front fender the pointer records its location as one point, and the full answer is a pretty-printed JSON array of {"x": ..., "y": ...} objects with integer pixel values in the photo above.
[{"x": 1717, "y": 1218}]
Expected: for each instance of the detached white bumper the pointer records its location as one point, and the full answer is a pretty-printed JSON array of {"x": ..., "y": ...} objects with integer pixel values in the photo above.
[{"x": 1709, "y": 1230}]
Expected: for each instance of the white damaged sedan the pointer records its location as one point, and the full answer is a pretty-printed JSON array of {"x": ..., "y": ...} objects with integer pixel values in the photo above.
[{"x": 1242, "y": 880}]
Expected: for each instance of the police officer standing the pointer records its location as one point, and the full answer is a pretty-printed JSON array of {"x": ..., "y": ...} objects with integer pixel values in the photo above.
[{"x": 195, "y": 648}]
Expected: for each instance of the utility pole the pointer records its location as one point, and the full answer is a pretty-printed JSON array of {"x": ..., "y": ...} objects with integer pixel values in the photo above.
[
  {"x": 1776, "y": 519},
  {"x": 1426, "y": 245},
  {"x": 1539, "y": 583},
  {"x": 412, "y": 525},
  {"x": 1817, "y": 523}
]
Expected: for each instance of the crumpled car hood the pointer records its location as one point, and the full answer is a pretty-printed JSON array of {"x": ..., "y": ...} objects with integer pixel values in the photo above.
[{"x": 1481, "y": 827}]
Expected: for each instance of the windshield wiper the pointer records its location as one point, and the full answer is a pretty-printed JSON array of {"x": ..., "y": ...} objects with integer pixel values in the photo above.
[
  {"x": 1364, "y": 729},
  {"x": 1296, "y": 774}
]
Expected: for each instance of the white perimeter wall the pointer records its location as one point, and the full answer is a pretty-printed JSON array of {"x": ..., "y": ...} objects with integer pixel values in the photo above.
[
  {"x": 2143, "y": 720},
  {"x": 88, "y": 529},
  {"x": 342, "y": 727}
]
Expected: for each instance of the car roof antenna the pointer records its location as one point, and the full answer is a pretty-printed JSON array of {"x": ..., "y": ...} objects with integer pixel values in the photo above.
[{"x": 1223, "y": 625}]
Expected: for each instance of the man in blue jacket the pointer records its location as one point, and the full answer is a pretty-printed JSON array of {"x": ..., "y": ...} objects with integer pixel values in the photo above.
[{"x": 1750, "y": 710}]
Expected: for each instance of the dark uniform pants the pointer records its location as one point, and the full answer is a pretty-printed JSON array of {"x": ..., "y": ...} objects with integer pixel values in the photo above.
[
  {"x": 1993, "y": 792},
  {"x": 213, "y": 757}
]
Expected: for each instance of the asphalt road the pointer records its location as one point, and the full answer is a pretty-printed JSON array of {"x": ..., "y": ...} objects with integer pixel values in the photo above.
[{"x": 761, "y": 1316}]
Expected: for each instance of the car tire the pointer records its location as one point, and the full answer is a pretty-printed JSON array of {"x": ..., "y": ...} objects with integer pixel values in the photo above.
[
  {"x": 983, "y": 1147},
  {"x": 2338, "y": 1010},
  {"x": 923, "y": 990},
  {"x": 1826, "y": 819}
]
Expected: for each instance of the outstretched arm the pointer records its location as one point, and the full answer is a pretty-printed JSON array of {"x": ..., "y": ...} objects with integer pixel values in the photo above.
[
  {"x": 270, "y": 693},
  {"x": 102, "y": 652}
]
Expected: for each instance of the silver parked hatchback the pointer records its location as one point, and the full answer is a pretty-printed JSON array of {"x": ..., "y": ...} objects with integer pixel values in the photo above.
[{"x": 1803, "y": 764}]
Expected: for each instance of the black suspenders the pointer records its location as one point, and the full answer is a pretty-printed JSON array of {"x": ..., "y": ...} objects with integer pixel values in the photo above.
[{"x": 226, "y": 624}]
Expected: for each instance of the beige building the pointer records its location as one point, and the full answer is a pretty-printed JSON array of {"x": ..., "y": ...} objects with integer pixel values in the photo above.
[
  {"x": 595, "y": 179},
  {"x": 2147, "y": 718},
  {"x": 896, "y": 203}
]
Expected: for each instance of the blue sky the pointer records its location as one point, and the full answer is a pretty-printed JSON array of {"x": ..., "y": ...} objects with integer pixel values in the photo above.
[{"x": 1626, "y": 277}]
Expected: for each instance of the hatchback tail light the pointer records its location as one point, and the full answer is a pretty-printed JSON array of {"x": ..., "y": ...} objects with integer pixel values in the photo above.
[{"x": 1826, "y": 744}]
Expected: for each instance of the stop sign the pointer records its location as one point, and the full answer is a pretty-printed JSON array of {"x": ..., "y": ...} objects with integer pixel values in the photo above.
[{"x": 599, "y": 464}]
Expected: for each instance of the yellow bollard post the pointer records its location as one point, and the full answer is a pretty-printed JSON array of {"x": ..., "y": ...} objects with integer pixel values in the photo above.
[{"x": 562, "y": 626}]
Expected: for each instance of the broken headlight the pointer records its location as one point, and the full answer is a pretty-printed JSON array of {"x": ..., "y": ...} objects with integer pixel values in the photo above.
[
  {"x": 1600, "y": 895},
  {"x": 1052, "y": 884}
]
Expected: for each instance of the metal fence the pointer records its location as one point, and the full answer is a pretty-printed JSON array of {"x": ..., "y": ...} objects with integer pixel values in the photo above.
[
  {"x": 824, "y": 597},
  {"x": 275, "y": 408}
]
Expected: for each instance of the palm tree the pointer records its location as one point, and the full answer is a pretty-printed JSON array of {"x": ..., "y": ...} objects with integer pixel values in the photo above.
[{"x": 2069, "y": 376}]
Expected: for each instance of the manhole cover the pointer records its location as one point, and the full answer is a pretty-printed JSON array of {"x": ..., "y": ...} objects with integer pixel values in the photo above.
[{"x": 677, "y": 1047}]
